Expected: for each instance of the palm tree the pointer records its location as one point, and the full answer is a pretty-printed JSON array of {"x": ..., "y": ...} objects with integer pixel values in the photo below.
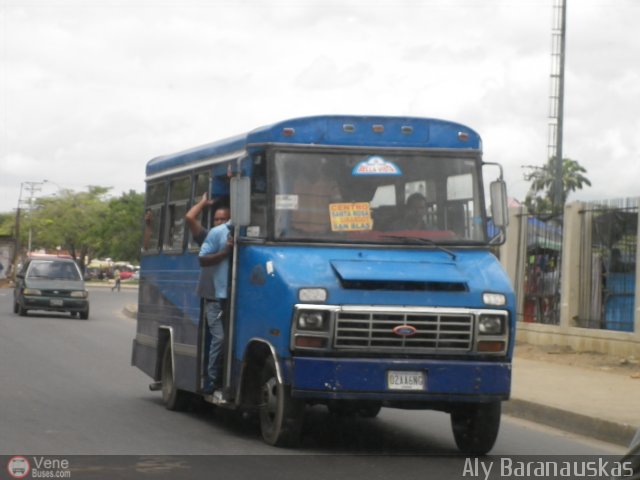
[{"x": 540, "y": 196}]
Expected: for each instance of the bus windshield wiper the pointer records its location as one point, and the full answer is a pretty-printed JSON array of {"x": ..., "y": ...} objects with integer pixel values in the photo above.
[{"x": 423, "y": 241}]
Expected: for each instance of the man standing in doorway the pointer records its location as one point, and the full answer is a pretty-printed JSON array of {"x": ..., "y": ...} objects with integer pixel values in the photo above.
[{"x": 215, "y": 253}]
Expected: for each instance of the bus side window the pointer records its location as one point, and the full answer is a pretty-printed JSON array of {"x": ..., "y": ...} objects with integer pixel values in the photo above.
[
  {"x": 153, "y": 216},
  {"x": 179, "y": 193}
]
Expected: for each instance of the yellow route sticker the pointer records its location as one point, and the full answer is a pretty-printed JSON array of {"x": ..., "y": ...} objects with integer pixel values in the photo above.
[{"x": 350, "y": 217}]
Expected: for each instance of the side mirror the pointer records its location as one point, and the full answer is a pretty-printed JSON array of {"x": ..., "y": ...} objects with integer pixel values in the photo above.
[
  {"x": 240, "y": 201},
  {"x": 499, "y": 209}
]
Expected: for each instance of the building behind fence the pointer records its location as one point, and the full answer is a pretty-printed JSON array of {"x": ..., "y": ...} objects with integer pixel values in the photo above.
[{"x": 575, "y": 276}]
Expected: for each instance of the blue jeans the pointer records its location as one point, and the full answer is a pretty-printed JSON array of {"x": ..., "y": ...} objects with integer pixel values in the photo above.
[{"x": 214, "y": 311}]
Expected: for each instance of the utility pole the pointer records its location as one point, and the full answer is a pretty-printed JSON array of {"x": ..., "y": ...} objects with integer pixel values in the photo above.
[
  {"x": 33, "y": 188},
  {"x": 556, "y": 99}
]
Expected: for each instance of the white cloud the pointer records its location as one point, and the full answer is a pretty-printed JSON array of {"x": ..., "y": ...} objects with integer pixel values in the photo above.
[{"x": 95, "y": 88}]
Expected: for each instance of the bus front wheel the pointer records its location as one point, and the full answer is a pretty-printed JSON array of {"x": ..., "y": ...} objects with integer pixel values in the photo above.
[
  {"x": 172, "y": 397},
  {"x": 475, "y": 427},
  {"x": 281, "y": 416}
]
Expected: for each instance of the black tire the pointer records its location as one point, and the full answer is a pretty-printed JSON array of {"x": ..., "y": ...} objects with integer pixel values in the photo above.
[
  {"x": 475, "y": 427},
  {"x": 15, "y": 307},
  {"x": 281, "y": 416},
  {"x": 21, "y": 310},
  {"x": 172, "y": 397},
  {"x": 85, "y": 315}
]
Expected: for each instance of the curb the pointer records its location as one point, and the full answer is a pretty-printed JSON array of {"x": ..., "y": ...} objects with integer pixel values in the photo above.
[
  {"x": 107, "y": 285},
  {"x": 605, "y": 430},
  {"x": 130, "y": 311}
]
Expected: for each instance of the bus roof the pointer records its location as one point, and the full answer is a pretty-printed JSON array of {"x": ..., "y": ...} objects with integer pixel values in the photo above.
[{"x": 332, "y": 130}]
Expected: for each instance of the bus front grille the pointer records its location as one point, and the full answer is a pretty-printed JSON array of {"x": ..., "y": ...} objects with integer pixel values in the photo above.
[{"x": 410, "y": 332}]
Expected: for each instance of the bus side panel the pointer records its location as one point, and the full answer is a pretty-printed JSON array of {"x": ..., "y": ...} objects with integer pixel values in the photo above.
[
  {"x": 144, "y": 356},
  {"x": 263, "y": 302},
  {"x": 168, "y": 310}
]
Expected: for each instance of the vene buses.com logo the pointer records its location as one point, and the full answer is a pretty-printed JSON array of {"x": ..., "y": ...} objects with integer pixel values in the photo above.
[{"x": 18, "y": 467}]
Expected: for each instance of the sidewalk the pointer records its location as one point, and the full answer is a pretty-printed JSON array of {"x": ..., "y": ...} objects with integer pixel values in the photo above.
[{"x": 601, "y": 404}]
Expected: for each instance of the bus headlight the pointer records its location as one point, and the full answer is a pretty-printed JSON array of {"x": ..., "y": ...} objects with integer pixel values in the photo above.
[
  {"x": 491, "y": 325},
  {"x": 312, "y": 327},
  {"x": 312, "y": 320},
  {"x": 80, "y": 294},
  {"x": 32, "y": 291}
]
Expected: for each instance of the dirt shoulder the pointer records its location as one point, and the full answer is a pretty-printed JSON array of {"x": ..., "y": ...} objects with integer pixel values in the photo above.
[{"x": 629, "y": 366}]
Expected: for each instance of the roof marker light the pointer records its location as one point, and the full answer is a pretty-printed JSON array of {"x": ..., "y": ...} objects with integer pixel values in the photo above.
[
  {"x": 288, "y": 131},
  {"x": 463, "y": 136},
  {"x": 377, "y": 128},
  {"x": 349, "y": 127},
  {"x": 406, "y": 129}
]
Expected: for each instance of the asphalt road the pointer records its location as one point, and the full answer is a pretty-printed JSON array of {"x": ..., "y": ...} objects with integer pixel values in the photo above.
[{"x": 67, "y": 389}]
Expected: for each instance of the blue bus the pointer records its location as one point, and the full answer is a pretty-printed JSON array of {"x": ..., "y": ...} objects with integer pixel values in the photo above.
[{"x": 363, "y": 274}]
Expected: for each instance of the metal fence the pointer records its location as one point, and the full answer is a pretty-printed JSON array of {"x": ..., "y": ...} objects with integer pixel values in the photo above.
[
  {"x": 608, "y": 265},
  {"x": 542, "y": 263}
]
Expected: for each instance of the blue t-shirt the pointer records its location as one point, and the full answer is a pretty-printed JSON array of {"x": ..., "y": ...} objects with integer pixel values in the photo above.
[{"x": 216, "y": 240}]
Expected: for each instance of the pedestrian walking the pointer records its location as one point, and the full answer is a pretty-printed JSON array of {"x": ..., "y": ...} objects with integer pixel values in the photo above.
[{"x": 116, "y": 284}]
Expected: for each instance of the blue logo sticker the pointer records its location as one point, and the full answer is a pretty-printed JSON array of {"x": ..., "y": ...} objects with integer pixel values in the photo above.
[{"x": 376, "y": 165}]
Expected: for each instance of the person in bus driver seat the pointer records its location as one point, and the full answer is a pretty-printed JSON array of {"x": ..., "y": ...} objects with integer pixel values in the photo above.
[
  {"x": 415, "y": 212},
  {"x": 214, "y": 259}
]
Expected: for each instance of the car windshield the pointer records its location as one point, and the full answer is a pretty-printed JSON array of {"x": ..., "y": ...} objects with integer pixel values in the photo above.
[
  {"x": 53, "y": 269},
  {"x": 378, "y": 197}
]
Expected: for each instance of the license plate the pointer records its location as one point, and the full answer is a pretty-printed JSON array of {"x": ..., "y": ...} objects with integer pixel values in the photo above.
[
  {"x": 56, "y": 302},
  {"x": 397, "y": 380}
]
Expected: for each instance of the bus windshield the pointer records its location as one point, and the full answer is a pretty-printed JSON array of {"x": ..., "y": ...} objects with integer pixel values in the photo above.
[{"x": 378, "y": 197}]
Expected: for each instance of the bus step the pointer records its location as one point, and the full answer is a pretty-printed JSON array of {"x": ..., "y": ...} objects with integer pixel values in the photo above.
[{"x": 155, "y": 386}]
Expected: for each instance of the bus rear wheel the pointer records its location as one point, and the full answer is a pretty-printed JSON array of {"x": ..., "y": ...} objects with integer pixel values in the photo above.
[
  {"x": 281, "y": 416},
  {"x": 172, "y": 397},
  {"x": 475, "y": 427}
]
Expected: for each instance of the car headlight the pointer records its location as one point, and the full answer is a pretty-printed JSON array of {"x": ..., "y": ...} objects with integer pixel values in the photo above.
[
  {"x": 80, "y": 294},
  {"x": 312, "y": 320},
  {"x": 31, "y": 291},
  {"x": 491, "y": 325}
]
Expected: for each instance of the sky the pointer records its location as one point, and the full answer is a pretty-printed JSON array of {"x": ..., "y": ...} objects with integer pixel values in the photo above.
[{"x": 91, "y": 90}]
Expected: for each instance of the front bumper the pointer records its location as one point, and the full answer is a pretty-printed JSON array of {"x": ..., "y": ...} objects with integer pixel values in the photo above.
[
  {"x": 55, "y": 304},
  {"x": 363, "y": 378}
]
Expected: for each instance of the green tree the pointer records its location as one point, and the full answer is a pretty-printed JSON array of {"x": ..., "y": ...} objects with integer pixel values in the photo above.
[
  {"x": 7, "y": 224},
  {"x": 71, "y": 221},
  {"x": 540, "y": 195},
  {"x": 122, "y": 227}
]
